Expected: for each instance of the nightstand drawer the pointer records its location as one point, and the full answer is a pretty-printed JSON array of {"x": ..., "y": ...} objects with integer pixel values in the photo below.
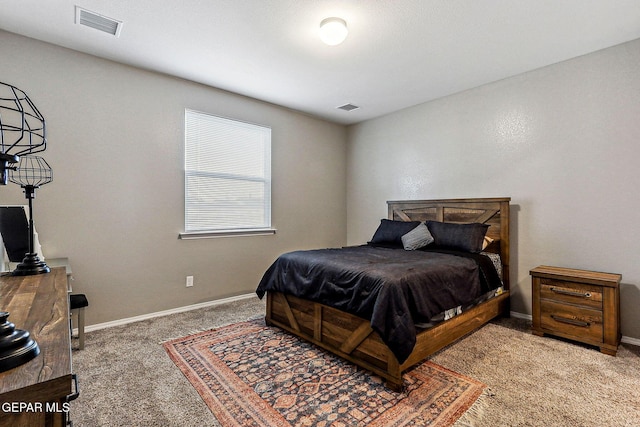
[
  {"x": 571, "y": 320},
  {"x": 570, "y": 292}
]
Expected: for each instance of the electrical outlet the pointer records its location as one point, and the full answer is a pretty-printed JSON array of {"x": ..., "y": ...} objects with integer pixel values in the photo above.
[{"x": 189, "y": 281}]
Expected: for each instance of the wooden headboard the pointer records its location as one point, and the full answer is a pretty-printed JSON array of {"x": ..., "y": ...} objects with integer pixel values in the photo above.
[{"x": 491, "y": 211}]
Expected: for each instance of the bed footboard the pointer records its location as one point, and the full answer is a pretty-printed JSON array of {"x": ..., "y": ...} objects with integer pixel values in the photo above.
[{"x": 352, "y": 338}]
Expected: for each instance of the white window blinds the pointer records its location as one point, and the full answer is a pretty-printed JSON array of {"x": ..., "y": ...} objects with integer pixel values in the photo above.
[{"x": 227, "y": 174}]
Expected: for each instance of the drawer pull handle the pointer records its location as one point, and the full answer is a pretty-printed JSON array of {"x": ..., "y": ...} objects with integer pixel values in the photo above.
[
  {"x": 74, "y": 396},
  {"x": 570, "y": 321},
  {"x": 572, "y": 293}
]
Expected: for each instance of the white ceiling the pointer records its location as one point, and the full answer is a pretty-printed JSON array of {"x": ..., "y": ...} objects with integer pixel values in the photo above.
[{"x": 398, "y": 53}]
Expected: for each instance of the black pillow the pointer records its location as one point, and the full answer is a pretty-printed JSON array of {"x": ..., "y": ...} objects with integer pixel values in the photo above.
[
  {"x": 463, "y": 237},
  {"x": 389, "y": 232}
]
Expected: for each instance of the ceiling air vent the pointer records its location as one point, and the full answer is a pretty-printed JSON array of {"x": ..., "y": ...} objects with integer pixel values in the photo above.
[
  {"x": 98, "y": 22},
  {"x": 348, "y": 107}
]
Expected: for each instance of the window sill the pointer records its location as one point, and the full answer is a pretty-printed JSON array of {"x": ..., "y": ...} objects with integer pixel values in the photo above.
[{"x": 226, "y": 233}]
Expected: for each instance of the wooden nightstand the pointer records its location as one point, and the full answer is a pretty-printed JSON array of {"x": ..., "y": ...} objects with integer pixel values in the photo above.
[{"x": 577, "y": 304}]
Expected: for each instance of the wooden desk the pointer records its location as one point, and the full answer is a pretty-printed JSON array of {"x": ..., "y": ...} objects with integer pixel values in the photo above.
[
  {"x": 52, "y": 263},
  {"x": 35, "y": 393},
  {"x": 62, "y": 262}
]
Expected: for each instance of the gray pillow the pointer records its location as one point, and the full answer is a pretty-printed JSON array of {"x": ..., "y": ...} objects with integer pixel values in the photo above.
[{"x": 417, "y": 238}]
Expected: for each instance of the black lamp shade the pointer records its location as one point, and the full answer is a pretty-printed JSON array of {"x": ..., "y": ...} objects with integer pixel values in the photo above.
[
  {"x": 22, "y": 128},
  {"x": 32, "y": 171}
]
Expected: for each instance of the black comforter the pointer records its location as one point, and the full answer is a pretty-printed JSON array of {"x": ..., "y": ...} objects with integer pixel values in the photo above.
[{"x": 393, "y": 288}]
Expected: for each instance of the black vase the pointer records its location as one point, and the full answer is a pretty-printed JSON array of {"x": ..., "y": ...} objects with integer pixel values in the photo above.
[{"x": 16, "y": 346}]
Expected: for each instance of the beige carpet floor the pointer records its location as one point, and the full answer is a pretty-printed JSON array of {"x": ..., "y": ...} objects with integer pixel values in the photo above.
[{"x": 127, "y": 379}]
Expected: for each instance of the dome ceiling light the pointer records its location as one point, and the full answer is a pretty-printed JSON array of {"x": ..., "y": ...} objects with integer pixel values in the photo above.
[{"x": 333, "y": 31}]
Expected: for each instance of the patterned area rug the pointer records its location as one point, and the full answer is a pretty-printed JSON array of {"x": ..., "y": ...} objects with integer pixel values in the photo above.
[{"x": 253, "y": 375}]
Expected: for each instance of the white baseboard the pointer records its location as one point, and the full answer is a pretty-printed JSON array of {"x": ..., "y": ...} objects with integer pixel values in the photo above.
[
  {"x": 629, "y": 340},
  {"x": 120, "y": 322},
  {"x": 520, "y": 315},
  {"x": 128, "y": 320},
  {"x": 624, "y": 339}
]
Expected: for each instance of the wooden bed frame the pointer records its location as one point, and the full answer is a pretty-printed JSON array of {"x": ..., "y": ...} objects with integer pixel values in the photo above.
[{"x": 352, "y": 338}]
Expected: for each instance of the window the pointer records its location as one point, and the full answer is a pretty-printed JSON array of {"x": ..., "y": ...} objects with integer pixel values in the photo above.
[{"x": 227, "y": 176}]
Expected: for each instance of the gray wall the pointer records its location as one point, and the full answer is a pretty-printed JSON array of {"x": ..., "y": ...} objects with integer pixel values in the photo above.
[
  {"x": 563, "y": 142},
  {"x": 116, "y": 204}
]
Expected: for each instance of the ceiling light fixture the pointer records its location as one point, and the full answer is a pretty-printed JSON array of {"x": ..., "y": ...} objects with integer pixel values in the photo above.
[{"x": 333, "y": 31}]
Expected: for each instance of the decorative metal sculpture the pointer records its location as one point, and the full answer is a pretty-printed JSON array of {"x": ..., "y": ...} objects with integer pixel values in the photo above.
[
  {"x": 22, "y": 128},
  {"x": 31, "y": 173},
  {"x": 22, "y": 132}
]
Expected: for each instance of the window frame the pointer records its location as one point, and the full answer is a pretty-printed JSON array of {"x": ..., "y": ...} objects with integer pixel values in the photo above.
[{"x": 267, "y": 199}]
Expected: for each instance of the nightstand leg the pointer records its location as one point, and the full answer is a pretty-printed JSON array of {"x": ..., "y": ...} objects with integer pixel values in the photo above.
[{"x": 608, "y": 351}]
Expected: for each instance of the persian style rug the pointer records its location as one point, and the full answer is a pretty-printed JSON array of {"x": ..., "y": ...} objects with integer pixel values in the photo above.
[{"x": 250, "y": 374}]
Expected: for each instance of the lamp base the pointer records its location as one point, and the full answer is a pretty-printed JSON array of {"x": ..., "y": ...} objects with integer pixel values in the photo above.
[
  {"x": 31, "y": 265},
  {"x": 16, "y": 346}
]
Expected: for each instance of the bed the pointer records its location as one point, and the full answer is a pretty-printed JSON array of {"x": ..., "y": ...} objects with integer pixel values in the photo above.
[{"x": 384, "y": 337}]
